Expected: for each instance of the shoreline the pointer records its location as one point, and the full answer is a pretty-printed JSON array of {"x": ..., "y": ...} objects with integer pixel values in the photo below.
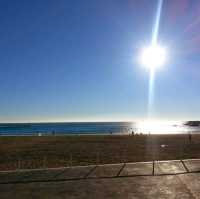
[{"x": 50, "y": 134}]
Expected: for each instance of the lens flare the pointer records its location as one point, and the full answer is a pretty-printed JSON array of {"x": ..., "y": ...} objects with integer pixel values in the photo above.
[{"x": 156, "y": 56}]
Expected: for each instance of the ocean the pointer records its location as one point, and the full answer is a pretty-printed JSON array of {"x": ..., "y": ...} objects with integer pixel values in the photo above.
[{"x": 95, "y": 128}]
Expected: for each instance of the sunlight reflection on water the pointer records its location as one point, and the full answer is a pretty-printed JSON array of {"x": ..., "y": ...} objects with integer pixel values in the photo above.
[{"x": 158, "y": 127}]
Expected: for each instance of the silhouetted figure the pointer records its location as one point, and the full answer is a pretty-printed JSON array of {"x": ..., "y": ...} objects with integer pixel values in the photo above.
[
  {"x": 190, "y": 137},
  {"x": 110, "y": 132},
  {"x": 133, "y": 133}
]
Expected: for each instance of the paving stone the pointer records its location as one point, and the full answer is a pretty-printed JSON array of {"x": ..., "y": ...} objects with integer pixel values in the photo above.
[
  {"x": 110, "y": 170},
  {"x": 140, "y": 187},
  {"x": 45, "y": 174},
  {"x": 11, "y": 176},
  {"x": 29, "y": 175},
  {"x": 192, "y": 181},
  {"x": 41, "y": 175},
  {"x": 169, "y": 167},
  {"x": 140, "y": 168},
  {"x": 75, "y": 172},
  {"x": 192, "y": 165}
]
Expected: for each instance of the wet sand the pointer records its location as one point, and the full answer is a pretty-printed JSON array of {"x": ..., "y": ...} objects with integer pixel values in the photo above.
[{"x": 58, "y": 151}]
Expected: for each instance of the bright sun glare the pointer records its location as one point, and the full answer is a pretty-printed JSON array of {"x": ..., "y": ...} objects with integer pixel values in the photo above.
[{"x": 153, "y": 56}]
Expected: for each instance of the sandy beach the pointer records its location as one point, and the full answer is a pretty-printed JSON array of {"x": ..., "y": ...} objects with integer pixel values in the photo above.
[{"x": 58, "y": 151}]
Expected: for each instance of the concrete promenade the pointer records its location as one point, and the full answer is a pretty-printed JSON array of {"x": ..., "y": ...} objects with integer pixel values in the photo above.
[{"x": 159, "y": 179}]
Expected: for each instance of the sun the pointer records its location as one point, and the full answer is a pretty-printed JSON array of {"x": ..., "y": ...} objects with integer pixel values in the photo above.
[{"x": 153, "y": 56}]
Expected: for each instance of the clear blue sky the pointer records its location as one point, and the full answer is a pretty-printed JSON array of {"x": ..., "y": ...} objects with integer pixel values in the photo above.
[{"x": 75, "y": 60}]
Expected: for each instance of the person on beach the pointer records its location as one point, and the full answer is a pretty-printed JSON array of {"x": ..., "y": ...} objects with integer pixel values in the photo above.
[{"x": 190, "y": 137}]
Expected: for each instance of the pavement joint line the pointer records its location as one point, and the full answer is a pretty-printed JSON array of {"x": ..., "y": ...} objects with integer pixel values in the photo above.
[
  {"x": 169, "y": 160},
  {"x": 22, "y": 180},
  {"x": 185, "y": 167},
  {"x": 60, "y": 173},
  {"x": 94, "y": 178},
  {"x": 51, "y": 168},
  {"x": 191, "y": 159},
  {"x": 27, "y": 170},
  {"x": 121, "y": 169},
  {"x": 153, "y": 172},
  {"x": 57, "y": 168},
  {"x": 90, "y": 172}
]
